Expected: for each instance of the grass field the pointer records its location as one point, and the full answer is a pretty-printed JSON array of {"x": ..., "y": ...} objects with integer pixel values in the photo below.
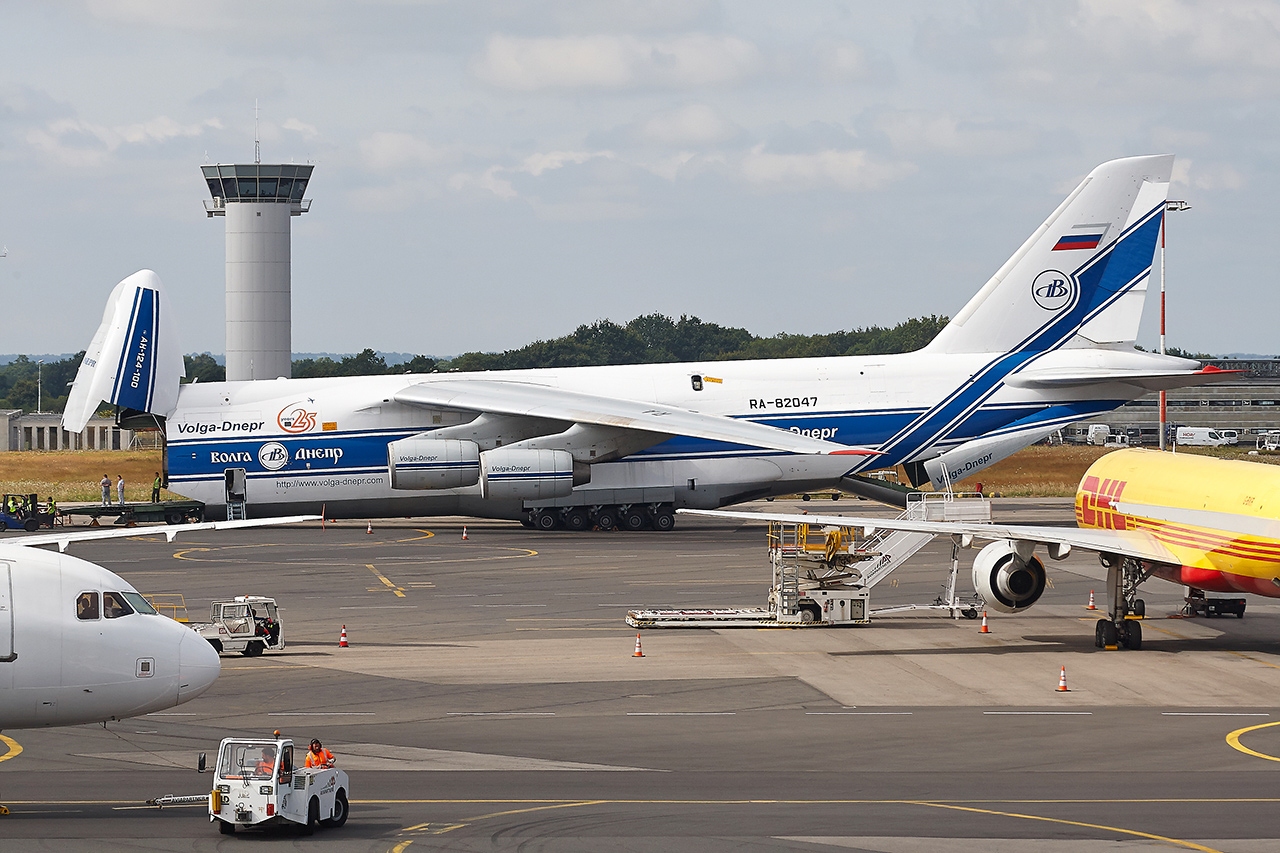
[{"x": 73, "y": 475}]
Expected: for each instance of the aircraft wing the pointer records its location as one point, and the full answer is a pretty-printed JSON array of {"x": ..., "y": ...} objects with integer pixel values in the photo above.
[
  {"x": 525, "y": 399},
  {"x": 169, "y": 531},
  {"x": 1151, "y": 380},
  {"x": 1139, "y": 544}
]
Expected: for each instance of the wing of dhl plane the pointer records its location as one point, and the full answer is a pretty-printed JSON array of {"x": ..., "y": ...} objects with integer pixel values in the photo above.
[{"x": 1209, "y": 524}]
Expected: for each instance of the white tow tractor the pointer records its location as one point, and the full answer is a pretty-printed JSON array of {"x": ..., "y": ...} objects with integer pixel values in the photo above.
[
  {"x": 257, "y": 784},
  {"x": 248, "y": 624}
]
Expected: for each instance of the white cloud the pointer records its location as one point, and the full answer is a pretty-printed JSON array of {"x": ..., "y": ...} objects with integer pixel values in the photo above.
[
  {"x": 693, "y": 124},
  {"x": 76, "y": 143},
  {"x": 918, "y": 130},
  {"x": 614, "y": 62},
  {"x": 385, "y": 151},
  {"x": 852, "y": 170},
  {"x": 1220, "y": 176},
  {"x": 307, "y": 130}
]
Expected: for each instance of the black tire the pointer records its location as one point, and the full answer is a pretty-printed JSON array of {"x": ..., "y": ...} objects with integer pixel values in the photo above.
[
  {"x": 1139, "y": 608},
  {"x": 634, "y": 518},
  {"x": 226, "y": 827},
  {"x": 805, "y": 498},
  {"x": 526, "y": 522},
  {"x": 253, "y": 649},
  {"x": 577, "y": 519},
  {"x": 835, "y": 496},
  {"x": 217, "y": 645},
  {"x": 1133, "y": 636},
  {"x": 313, "y": 816},
  {"x": 340, "y": 810},
  {"x": 31, "y": 525},
  {"x": 971, "y": 613},
  {"x": 1097, "y": 633},
  {"x": 1110, "y": 636},
  {"x": 173, "y": 518},
  {"x": 547, "y": 520},
  {"x": 607, "y": 518},
  {"x": 664, "y": 520}
]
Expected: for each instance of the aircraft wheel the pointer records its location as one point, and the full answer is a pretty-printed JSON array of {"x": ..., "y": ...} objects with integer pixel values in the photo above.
[
  {"x": 1110, "y": 636},
  {"x": 1139, "y": 607},
  {"x": 664, "y": 520},
  {"x": 1099, "y": 637},
  {"x": 340, "y": 810},
  {"x": 634, "y": 519},
  {"x": 525, "y": 522},
  {"x": 546, "y": 520},
  {"x": 835, "y": 496},
  {"x": 607, "y": 518},
  {"x": 1133, "y": 636},
  {"x": 577, "y": 519},
  {"x": 805, "y": 497},
  {"x": 226, "y": 827}
]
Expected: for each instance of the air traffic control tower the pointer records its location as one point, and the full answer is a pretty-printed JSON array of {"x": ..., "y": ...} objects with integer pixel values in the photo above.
[{"x": 257, "y": 201}]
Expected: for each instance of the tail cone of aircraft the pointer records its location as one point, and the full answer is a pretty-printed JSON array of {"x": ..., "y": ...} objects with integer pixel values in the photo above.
[
  {"x": 342, "y": 638},
  {"x": 637, "y": 653},
  {"x": 1091, "y": 606},
  {"x": 1062, "y": 682}
]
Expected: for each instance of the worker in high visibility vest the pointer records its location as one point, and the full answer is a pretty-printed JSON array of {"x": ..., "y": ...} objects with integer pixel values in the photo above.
[{"x": 318, "y": 756}]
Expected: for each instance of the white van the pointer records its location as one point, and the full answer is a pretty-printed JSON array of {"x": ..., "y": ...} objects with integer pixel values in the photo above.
[
  {"x": 1232, "y": 437},
  {"x": 1199, "y": 437},
  {"x": 1098, "y": 434}
]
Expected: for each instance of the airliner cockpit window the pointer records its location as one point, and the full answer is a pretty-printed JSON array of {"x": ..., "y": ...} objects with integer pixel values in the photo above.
[
  {"x": 140, "y": 604},
  {"x": 87, "y": 605},
  {"x": 114, "y": 606}
]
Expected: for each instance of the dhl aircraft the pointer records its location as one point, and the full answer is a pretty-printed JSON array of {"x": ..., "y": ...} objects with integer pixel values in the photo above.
[
  {"x": 1209, "y": 524},
  {"x": 1046, "y": 342},
  {"x": 78, "y": 644}
]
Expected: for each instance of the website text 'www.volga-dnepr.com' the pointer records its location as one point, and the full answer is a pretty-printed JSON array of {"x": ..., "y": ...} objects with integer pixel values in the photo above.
[{"x": 330, "y": 482}]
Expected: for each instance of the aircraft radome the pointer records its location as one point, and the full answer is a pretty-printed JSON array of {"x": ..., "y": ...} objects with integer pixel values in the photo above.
[
  {"x": 1209, "y": 524},
  {"x": 1047, "y": 341}
]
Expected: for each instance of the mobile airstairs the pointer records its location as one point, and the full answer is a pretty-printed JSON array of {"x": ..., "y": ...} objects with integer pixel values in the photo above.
[{"x": 823, "y": 575}]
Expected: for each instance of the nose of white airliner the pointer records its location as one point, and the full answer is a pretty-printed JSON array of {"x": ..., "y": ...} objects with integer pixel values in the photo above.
[{"x": 198, "y": 666}]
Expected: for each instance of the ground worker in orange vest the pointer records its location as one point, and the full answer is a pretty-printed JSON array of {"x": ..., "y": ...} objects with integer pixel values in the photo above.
[{"x": 318, "y": 756}]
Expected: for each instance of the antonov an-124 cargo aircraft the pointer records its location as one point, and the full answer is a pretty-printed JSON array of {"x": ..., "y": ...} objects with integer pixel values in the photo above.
[{"x": 1046, "y": 342}]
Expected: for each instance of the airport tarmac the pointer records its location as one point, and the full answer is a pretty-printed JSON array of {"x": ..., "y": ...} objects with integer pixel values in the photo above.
[{"x": 490, "y": 700}]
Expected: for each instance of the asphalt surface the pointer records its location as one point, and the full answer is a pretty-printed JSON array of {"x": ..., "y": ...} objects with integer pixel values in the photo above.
[{"x": 490, "y": 700}]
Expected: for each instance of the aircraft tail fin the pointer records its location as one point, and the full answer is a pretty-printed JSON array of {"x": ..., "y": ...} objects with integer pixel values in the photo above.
[
  {"x": 134, "y": 360},
  {"x": 1082, "y": 273}
]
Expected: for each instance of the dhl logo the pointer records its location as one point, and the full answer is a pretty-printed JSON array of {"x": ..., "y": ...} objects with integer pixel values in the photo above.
[{"x": 1094, "y": 504}]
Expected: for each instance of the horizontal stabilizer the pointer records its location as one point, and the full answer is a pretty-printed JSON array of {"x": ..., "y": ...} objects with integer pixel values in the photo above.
[
  {"x": 134, "y": 360},
  {"x": 1149, "y": 380}
]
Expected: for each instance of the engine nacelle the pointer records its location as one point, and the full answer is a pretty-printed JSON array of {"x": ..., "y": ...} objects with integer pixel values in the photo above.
[
  {"x": 1006, "y": 581},
  {"x": 433, "y": 463},
  {"x": 530, "y": 474}
]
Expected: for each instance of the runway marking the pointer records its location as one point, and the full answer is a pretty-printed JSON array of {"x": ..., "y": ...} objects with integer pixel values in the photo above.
[
  {"x": 379, "y": 607},
  {"x": 1208, "y": 714},
  {"x": 1233, "y": 740},
  {"x": 323, "y": 714},
  {"x": 501, "y": 713},
  {"x": 14, "y": 750},
  {"x": 857, "y": 713},
  {"x": 506, "y": 605},
  {"x": 172, "y": 714},
  {"x": 681, "y": 714},
  {"x": 390, "y": 586},
  {"x": 954, "y": 805},
  {"x": 1038, "y": 713}
]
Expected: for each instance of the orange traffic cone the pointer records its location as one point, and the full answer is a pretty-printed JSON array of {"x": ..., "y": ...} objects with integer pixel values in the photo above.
[
  {"x": 1091, "y": 606},
  {"x": 342, "y": 638},
  {"x": 369, "y": 529},
  {"x": 464, "y": 533},
  {"x": 1062, "y": 682},
  {"x": 637, "y": 653},
  {"x": 984, "y": 629}
]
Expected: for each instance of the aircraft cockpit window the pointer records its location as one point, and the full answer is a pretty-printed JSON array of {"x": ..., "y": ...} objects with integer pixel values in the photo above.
[
  {"x": 696, "y": 381},
  {"x": 139, "y": 604},
  {"x": 87, "y": 605},
  {"x": 114, "y": 605}
]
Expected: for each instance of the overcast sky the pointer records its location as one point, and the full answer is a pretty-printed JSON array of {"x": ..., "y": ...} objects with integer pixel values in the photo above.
[{"x": 492, "y": 173}]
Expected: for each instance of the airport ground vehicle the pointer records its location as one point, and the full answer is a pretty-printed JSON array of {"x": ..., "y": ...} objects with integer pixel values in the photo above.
[
  {"x": 1232, "y": 437},
  {"x": 1199, "y": 437},
  {"x": 1268, "y": 441},
  {"x": 1116, "y": 439},
  {"x": 170, "y": 512},
  {"x": 22, "y": 512},
  {"x": 823, "y": 574},
  {"x": 1098, "y": 434},
  {"x": 248, "y": 624},
  {"x": 1200, "y": 604},
  {"x": 260, "y": 782}
]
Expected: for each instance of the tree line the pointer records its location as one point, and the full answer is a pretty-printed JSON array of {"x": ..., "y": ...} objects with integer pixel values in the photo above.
[{"x": 649, "y": 339}]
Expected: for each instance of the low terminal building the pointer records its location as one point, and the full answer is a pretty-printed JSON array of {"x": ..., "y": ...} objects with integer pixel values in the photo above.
[
  {"x": 43, "y": 431},
  {"x": 1248, "y": 403}
]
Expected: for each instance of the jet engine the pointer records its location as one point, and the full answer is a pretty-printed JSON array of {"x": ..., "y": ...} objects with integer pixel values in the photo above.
[
  {"x": 433, "y": 463},
  {"x": 1007, "y": 581},
  {"x": 528, "y": 474}
]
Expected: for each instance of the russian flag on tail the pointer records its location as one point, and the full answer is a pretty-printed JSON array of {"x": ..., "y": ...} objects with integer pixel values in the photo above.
[{"x": 1078, "y": 241}]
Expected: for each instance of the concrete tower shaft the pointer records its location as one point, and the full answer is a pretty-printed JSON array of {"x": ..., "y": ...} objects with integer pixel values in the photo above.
[{"x": 258, "y": 201}]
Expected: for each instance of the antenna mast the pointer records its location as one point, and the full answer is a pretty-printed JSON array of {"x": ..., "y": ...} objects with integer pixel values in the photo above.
[{"x": 257, "y": 137}]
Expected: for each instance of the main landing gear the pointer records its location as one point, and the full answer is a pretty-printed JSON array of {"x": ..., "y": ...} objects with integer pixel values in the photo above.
[
  {"x": 660, "y": 517},
  {"x": 1124, "y": 609}
]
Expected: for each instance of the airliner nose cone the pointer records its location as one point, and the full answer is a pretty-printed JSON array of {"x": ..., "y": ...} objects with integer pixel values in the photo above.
[{"x": 198, "y": 666}]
